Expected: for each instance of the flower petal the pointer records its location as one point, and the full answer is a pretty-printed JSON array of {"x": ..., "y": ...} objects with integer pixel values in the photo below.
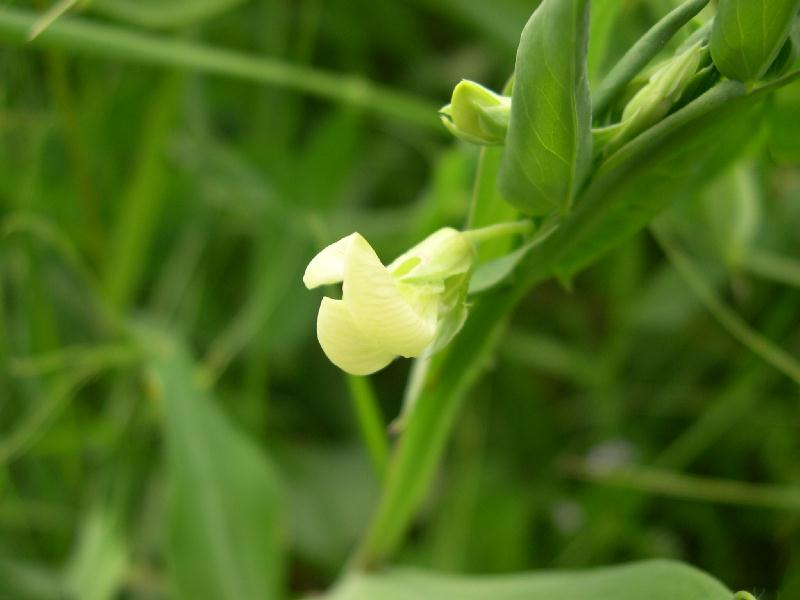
[
  {"x": 378, "y": 307},
  {"x": 327, "y": 267},
  {"x": 343, "y": 342}
]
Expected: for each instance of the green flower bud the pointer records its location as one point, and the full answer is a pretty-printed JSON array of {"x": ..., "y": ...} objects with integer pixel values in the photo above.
[
  {"x": 476, "y": 114},
  {"x": 748, "y": 34},
  {"x": 654, "y": 100}
]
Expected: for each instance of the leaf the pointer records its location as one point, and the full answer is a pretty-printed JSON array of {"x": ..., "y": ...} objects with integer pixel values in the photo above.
[
  {"x": 549, "y": 143},
  {"x": 97, "y": 568},
  {"x": 669, "y": 160},
  {"x": 163, "y": 14},
  {"x": 223, "y": 530},
  {"x": 653, "y": 580},
  {"x": 748, "y": 34}
]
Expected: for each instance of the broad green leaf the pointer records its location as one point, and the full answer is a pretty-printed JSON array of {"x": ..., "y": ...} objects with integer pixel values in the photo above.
[
  {"x": 651, "y": 580},
  {"x": 549, "y": 144},
  {"x": 748, "y": 34},
  {"x": 223, "y": 530}
]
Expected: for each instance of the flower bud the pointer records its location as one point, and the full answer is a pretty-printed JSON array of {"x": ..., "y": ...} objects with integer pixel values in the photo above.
[
  {"x": 655, "y": 99},
  {"x": 476, "y": 114}
]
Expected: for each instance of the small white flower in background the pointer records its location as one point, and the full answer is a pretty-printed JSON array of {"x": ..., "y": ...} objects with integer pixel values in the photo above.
[{"x": 415, "y": 303}]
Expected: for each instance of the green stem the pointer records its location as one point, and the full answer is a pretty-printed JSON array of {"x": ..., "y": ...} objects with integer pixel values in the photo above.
[
  {"x": 642, "y": 52},
  {"x": 370, "y": 423},
  {"x": 49, "y": 17},
  {"x": 690, "y": 487},
  {"x": 728, "y": 318},
  {"x": 491, "y": 232},
  {"x": 107, "y": 41},
  {"x": 782, "y": 269},
  {"x": 429, "y": 424}
]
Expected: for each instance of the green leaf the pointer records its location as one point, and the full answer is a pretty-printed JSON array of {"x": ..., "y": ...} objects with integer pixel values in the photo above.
[
  {"x": 97, "y": 568},
  {"x": 748, "y": 34},
  {"x": 653, "y": 580},
  {"x": 223, "y": 531},
  {"x": 549, "y": 143},
  {"x": 668, "y": 161},
  {"x": 161, "y": 13}
]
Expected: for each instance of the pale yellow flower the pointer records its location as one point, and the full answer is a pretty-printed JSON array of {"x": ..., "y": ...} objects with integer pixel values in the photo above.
[{"x": 389, "y": 311}]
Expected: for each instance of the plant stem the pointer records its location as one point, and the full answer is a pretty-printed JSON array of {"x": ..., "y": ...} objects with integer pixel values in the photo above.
[
  {"x": 429, "y": 424},
  {"x": 782, "y": 269},
  {"x": 107, "y": 41},
  {"x": 490, "y": 232},
  {"x": 727, "y": 317},
  {"x": 57, "y": 10},
  {"x": 690, "y": 487},
  {"x": 370, "y": 423}
]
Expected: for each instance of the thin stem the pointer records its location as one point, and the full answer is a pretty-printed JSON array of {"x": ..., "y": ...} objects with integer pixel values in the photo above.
[
  {"x": 416, "y": 457},
  {"x": 107, "y": 41},
  {"x": 370, "y": 423},
  {"x": 49, "y": 17},
  {"x": 777, "y": 267},
  {"x": 727, "y": 317},
  {"x": 642, "y": 52},
  {"x": 689, "y": 487},
  {"x": 491, "y": 232}
]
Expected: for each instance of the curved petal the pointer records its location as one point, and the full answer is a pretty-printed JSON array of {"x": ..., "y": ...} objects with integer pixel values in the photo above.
[
  {"x": 327, "y": 267},
  {"x": 344, "y": 344},
  {"x": 378, "y": 307}
]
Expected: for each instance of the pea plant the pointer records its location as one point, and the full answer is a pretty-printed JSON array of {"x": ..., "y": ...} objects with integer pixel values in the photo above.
[{"x": 565, "y": 175}]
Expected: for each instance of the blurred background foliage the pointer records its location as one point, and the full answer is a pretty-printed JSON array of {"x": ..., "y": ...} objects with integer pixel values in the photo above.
[{"x": 167, "y": 417}]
